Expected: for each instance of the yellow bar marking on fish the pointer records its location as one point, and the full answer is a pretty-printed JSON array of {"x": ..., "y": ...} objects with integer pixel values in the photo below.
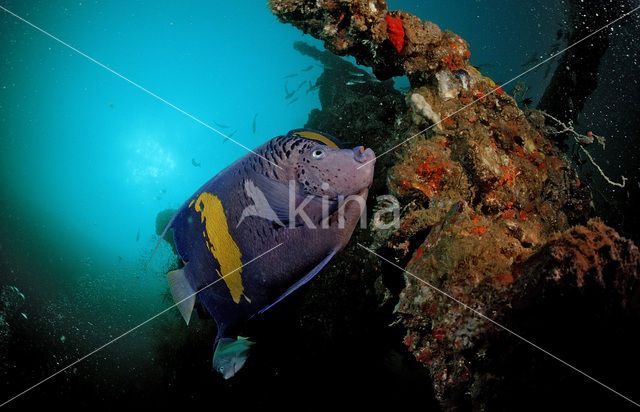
[
  {"x": 317, "y": 137},
  {"x": 222, "y": 246},
  {"x": 191, "y": 203}
]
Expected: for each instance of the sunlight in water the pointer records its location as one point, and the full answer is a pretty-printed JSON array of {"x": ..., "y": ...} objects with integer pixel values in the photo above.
[{"x": 149, "y": 159}]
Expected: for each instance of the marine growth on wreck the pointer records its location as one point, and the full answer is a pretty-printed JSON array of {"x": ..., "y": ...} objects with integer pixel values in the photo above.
[
  {"x": 496, "y": 226},
  {"x": 295, "y": 203}
]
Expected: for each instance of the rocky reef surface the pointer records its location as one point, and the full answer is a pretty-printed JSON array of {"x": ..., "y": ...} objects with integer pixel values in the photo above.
[{"x": 492, "y": 215}]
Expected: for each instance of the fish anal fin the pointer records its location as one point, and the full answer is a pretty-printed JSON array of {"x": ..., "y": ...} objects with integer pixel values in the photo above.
[{"x": 304, "y": 279}]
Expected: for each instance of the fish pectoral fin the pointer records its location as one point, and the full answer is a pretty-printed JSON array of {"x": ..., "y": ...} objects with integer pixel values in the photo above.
[
  {"x": 276, "y": 194},
  {"x": 230, "y": 355},
  {"x": 276, "y": 203},
  {"x": 182, "y": 292},
  {"x": 304, "y": 280}
]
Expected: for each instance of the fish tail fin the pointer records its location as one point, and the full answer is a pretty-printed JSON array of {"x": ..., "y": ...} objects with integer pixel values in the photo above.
[
  {"x": 182, "y": 292},
  {"x": 230, "y": 355},
  {"x": 164, "y": 232}
]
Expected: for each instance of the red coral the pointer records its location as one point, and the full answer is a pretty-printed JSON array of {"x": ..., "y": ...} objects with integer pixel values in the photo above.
[
  {"x": 395, "y": 32},
  {"x": 431, "y": 172},
  {"x": 479, "y": 230},
  {"x": 424, "y": 356},
  {"x": 504, "y": 279},
  {"x": 407, "y": 341},
  {"x": 453, "y": 61},
  {"x": 438, "y": 333}
]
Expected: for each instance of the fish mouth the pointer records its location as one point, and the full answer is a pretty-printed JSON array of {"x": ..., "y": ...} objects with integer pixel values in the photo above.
[
  {"x": 363, "y": 191},
  {"x": 362, "y": 155},
  {"x": 358, "y": 192}
]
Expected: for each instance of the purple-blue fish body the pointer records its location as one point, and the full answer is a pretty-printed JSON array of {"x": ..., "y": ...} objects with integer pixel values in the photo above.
[{"x": 263, "y": 227}]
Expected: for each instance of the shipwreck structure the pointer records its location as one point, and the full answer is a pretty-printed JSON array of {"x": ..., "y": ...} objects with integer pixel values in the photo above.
[{"x": 492, "y": 214}]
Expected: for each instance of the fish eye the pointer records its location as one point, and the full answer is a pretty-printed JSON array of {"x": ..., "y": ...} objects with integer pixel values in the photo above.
[{"x": 318, "y": 154}]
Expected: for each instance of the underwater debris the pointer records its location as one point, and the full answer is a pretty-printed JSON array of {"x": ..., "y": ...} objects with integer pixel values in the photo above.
[
  {"x": 581, "y": 140},
  {"x": 485, "y": 195},
  {"x": 376, "y": 38},
  {"x": 365, "y": 112},
  {"x": 575, "y": 76}
]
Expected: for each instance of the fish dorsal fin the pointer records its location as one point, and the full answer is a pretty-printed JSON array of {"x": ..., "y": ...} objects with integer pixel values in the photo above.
[
  {"x": 182, "y": 292},
  {"x": 277, "y": 196},
  {"x": 311, "y": 134},
  {"x": 304, "y": 279},
  {"x": 261, "y": 206}
]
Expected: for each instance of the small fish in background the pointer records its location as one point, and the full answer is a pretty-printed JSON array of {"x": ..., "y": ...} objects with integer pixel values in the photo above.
[
  {"x": 295, "y": 99},
  {"x": 194, "y": 163},
  {"x": 138, "y": 235},
  {"x": 222, "y": 233},
  {"x": 224, "y": 126},
  {"x": 312, "y": 87},
  {"x": 253, "y": 126},
  {"x": 160, "y": 194},
  {"x": 111, "y": 105},
  {"x": 547, "y": 71},
  {"x": 532, "y": 59},
  {"x": 288, "y": 76},
  {"x": 354, "y": 82},
  {"x": 15, "y": 289},
  {"x": 229, "y": 136},
  {"x": 24, "y": 315},
  {"x": 483, "y": 66},
  {"x": 301, "y": 84},
  {"x": 288, "y": 94},
  {"x": 306, "y": 69}
]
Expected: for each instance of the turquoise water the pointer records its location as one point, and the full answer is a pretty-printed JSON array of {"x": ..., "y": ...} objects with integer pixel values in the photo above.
[{"x": 87, "y": 161}]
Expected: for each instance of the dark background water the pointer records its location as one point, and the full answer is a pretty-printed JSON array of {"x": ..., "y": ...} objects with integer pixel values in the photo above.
[{"x": 87, "y": 161}]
